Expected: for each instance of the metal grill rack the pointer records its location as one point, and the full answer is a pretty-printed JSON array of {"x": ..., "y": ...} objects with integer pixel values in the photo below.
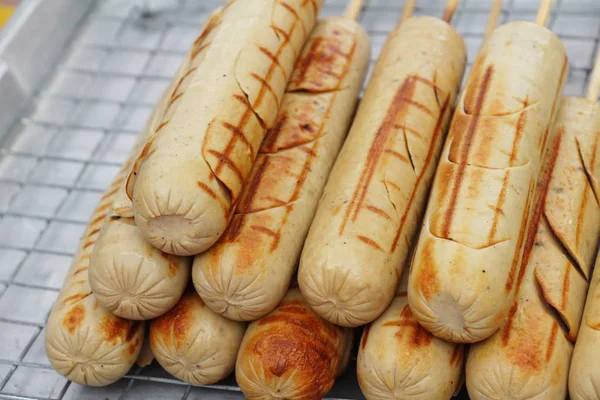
[{"x": 69, "y": 140}]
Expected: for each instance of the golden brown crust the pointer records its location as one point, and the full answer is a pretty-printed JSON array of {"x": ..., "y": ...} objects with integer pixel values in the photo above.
[
  {"x": 247, "y": 272},
  {"x": 528, "y": 358},
  {"x": 480, "y": 205},
  {"x": 291, "y": 353},
  {"x": 370, "y": 207}
]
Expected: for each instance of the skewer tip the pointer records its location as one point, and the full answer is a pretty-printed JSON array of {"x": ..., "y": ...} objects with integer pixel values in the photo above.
[
  {"x": 353, "y": 10},
  {"x": 543, "y": 12},
  {"x": 449, "y": 11},
  {"x": 495, "y": 12}
]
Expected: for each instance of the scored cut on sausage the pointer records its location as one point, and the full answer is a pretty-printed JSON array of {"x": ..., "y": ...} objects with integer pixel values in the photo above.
[
  {"x": 399, "y": 359},
  {"x": 191, "y": 172},
  {"x": 292, "y": 353},
  {"x": 195, "y": 344},
  {"x": 529, "y": 357},
  {"x": 368, "y": 214},
  {"x": 465, "y": 264},
  {"x": 129, "y": 276},
  {"x": 247, "y": 272}
]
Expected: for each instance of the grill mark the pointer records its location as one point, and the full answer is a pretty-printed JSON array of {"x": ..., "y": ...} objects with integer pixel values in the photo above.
[
  {"x": 508, "y": 326},
  {"x": 308, "y": 150},
  {"x": 314, "y": 7},
  {"x": 418, "y": 105},
  {"x": 266, "y": 85},
  {"x": 275, "y": 200},
  {"x": 369, "y": 242},
  {"x": 466, "y": 147},
  {"x": 296, "y": 16},
  {"x": 566, "y": 284},
  {"x": 174, "y": 99},
  {"x": 252, "y": 188},
  {"x": 213, "y": 194},
  {"x": 162, "y": 125},
  {"x": 98, "y": 219},
  {"x": 392, "y": 184},
  {"x": 428, "y": 159},
  {"x": 88, "y": 244},
  {"x": 249, "y": 110},
  {"x": 240, "y": 135},
  {"x": 557, "y": 98},
  {"x": 112, "y": 191},
  {"x": 282, "y": 32},
  {"x": 190, "y": 71},
  {"x": 225, "y": 160},
  {"x": 82, "y": 269},
  {"x": 513, "y": 156},
  {"x": 75, "y": 298},
  {"x": 396, "y": 110},
  {"x": 103, "y": 207},
  {"x": 397, "y": 155},
  {"x": 93, "y": 232},
  {"x": 378, "y": 211},
  {"x": 531, "y": 234},
  {"x": 273, "y": 59},
  {"x": 428, "y": 83},
  {"x": 412, "y": 131},
  {"x": 199, "y": 49},
  {"x": 551, "y": 341},
  {"x": 304, "y": 63},
  {"x": 275, "y": 235},
  {"x": 305, "y": 170},
  {"x": 522, "y": 234}
]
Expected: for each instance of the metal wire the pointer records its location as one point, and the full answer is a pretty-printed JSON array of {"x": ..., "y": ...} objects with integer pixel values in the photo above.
[{"x": 100, "y": 116}]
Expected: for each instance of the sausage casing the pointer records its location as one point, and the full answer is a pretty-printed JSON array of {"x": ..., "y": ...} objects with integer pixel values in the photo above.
[
  {"x": 292, "y": 353},
  {"x": 191, "y": 173},
  {"x": 469, "y": 249},
  {"x": 528, "y": 358},
  {"x": 129, "y": 276},
  {"x": 195, "y": 344},
  {"x": 399, "y": 359},
  {"x": 246, "y": 274},
  {"x": 368, "y": 214}
]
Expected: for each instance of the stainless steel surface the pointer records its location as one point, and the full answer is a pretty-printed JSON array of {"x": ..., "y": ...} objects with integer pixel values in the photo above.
[{"x": 77, "y": 128}]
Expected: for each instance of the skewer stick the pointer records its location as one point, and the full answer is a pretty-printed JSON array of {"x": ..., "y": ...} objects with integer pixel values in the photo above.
[
  {"x": 543, "y": 12},
  {"x": 353, "y": 9},
  {"x": 495, "y": 12},
  {"x": 594, "y": 84},
  {"x": 409, "y": 7},
  {"x": 450, "y": 10}
]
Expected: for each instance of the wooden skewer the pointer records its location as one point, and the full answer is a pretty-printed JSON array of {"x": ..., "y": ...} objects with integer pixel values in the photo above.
[
  {"x": 450, "y": 10},
  {"x": 495, "y": 12},
  {"x": 543, "y": 12},
  {"x": 594, "y": 84},
  {"x": 409, "y": 7},
  {"x": 353, "y": 10}
]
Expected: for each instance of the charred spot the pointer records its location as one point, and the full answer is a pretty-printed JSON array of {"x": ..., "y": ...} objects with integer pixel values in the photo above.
[
  {"x": 306, "y": 127},
  {"x": 74, "y": 318}
]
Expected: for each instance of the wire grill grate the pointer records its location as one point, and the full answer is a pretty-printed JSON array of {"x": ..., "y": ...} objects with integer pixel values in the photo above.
[{"x": 77, "y": 130}]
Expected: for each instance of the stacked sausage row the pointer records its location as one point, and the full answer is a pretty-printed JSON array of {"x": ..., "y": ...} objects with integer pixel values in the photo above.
[{"x": 238, "y": 166}]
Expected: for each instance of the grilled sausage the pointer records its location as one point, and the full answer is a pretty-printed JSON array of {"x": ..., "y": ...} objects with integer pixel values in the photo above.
[
  {"x": 195, "y": 344},
  {"x": 584, "y": 375},
  {"x": 129, "y": 276},
  {"x": 246, "y": 274},
  {"x": 191, "y": 173},
  {"x": 399, "y": 359},
  {"x": 528, "y": 358},
  {"x": 84, "y": 341},
  {"x": 359, "y": 239},
  {"x": 292, "y": 353},
  {"x": 465, "y": 264}
]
